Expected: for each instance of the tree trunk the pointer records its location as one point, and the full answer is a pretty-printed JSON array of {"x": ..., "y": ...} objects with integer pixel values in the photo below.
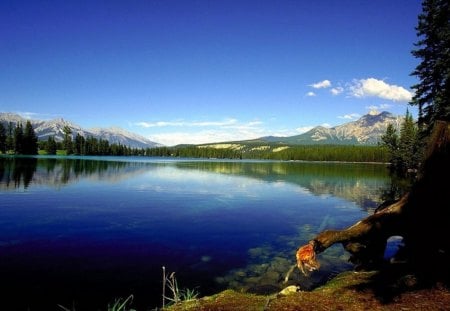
[{"x": 420, "y": 217}]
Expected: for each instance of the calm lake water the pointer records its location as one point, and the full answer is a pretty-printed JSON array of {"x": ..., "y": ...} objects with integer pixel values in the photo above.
[{"x": 81, "y": 232}]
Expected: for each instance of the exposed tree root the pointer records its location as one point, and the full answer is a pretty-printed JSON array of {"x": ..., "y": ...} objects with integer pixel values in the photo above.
[{"x": 420, "y": 217}]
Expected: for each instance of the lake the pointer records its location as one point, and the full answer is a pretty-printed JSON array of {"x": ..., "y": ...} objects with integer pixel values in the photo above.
[{"x": 83, "y": 231}]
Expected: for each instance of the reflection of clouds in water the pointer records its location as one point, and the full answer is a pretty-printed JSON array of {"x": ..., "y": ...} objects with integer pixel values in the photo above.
[{"x": 173, "y": 180}]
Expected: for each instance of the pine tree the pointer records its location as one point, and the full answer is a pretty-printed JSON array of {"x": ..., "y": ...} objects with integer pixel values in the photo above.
[
  {"x": 29, "y": 141},
  {"x": 80, "y": 144},
  {"x": 404, "y": 150},
  {"x": 433, "y": 90},
  {"x": 2, "y": 138},
  {"x": 408, "y": 145},
  {"x": 18, "y": 139},
  {"x": 68, "y": 145},
  {"x": 10, "y": 137},
  {"x": 390, "y": 141},
  {"x": 51, "y": 145}
]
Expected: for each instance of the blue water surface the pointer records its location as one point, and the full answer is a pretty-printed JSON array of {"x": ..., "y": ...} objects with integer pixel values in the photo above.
[{"x": 81, "y": 232}]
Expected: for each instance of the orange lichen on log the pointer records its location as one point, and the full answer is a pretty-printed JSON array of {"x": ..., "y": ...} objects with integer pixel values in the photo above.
[{"x": 306, "y": 258}]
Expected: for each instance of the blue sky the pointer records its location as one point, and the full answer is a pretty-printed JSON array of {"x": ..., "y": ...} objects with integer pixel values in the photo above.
[{"x": 206, "y": 71}]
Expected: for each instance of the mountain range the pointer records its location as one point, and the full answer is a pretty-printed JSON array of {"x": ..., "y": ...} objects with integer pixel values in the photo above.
[
  {"x": 113, "y": 135},
  {"x": 367, "y": 130}
]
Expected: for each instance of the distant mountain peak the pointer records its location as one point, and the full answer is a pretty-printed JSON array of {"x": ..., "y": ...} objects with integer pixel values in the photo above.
[
  {"x": 367, "y": 130},
  {"x": 54, "y": 127}
]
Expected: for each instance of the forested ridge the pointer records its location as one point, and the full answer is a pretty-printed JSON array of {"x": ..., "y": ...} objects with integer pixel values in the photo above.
[{"x": 20, "y": 140}]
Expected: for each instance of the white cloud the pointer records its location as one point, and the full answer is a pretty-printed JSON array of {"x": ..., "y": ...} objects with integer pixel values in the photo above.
[
  {"x": 206, "y": 136},
  {"x": 337, "y": 90},
  {"x": 310, "y": 94},
  {"x": 227, "y": 122},
  {"x": 35, "y": 115},
  {"x": 321, "y": 84},
  {"x": 379, "y": 107},
  {"x": 195, "y": 132},
  {"x": 351, "y": 116},
  {"x": 303, "y": 129},
  {"x": 379, "y": 88}
]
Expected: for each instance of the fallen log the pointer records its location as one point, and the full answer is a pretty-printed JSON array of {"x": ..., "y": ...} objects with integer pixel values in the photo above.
[{"x": 420, "y": 217}]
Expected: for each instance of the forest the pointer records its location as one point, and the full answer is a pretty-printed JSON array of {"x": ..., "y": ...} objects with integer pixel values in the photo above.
[{"x": 395, "y": 148}]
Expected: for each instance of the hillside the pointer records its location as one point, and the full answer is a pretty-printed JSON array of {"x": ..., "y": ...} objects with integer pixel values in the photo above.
[{"x": 367, "y": 130}]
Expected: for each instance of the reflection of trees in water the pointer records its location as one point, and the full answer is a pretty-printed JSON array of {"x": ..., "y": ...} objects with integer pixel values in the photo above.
[
  {"x": 357, "y": 182},
  {"x": 365, "y": 184},
  {"x": 396, "y": 188},
  {"x": 15, "y": 172}
]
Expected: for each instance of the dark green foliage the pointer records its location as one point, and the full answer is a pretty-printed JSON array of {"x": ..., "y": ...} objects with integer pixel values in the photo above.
[
  {"x": 29, "y": 143},
  {"x": 80, "y": 144},
  {"x": 18, "y": 139},
  {"x": 408, "y": 145},
  {"x": 433, "y": 90},
  {"x": 67, "y": 142},
  {"x": 10, "y": 137},
  {"x": 2, "y": 138},
  {"x": 51, "y": 145},
  {"x": 274, "y": 152},
  {"x": 403, "y": 150},
  {"x": 390, "y": 139}
]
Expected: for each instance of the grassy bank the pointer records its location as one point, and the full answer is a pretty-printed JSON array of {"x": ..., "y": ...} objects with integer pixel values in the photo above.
[{"x": 352, "y": 291}]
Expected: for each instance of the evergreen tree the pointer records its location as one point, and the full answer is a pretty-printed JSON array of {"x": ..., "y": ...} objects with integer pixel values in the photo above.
[
  {"x": 51, "y": 145},
  {"x": 10, "y": 137},
  {"x": 408, "y": 146},
  {"x": 80, "y": 144},
  {"x": 403, "y": 149},
  {"x": 2, "y": 138},
  {"x": 67, "y": 142},
  {"x": 29, "y": 142},
  {"x": 18, "y": 139},
  {"x": 433, "y": 90},
  {"x": 390, "y": 141}
]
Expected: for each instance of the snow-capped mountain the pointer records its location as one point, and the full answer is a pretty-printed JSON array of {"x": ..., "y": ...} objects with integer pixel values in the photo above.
[{"x": 44, "y": 129}]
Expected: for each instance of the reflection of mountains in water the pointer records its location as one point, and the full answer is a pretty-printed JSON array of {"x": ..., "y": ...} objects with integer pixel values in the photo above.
[{"x": 359, "y": 183}]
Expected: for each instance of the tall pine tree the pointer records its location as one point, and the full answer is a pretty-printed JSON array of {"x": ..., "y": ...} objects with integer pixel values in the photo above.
[
  {"x": 10, "y": 137},
  {"x": 390, "y": 141},
  {"x": 18, "y": 139},
  {"x": 30, "y": 145},
  {"x": 2, "y": 138},
  {"x": 433, "y": 90},
  {"x": 51, "y": 145},
  {"x": 408, "y": 146},
  {"x": 67, "y": 142}
]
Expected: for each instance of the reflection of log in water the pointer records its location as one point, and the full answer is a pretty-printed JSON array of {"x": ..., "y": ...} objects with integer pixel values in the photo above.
[{"x": 420, "y": 217}]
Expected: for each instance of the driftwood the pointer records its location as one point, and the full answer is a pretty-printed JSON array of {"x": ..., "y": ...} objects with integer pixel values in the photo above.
[{"x": 420, "y": 217}]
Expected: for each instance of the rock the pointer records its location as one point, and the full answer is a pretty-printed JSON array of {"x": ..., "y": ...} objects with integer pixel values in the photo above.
[{"x": 289, "y": 290}]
